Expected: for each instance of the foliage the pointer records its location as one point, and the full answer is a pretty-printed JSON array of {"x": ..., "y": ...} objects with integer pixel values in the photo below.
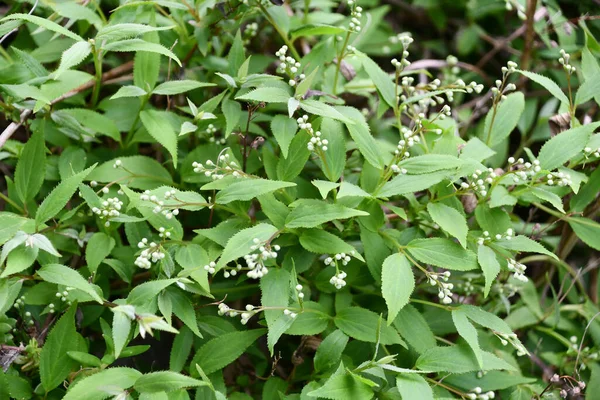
[{"x": 278, "y": 200}]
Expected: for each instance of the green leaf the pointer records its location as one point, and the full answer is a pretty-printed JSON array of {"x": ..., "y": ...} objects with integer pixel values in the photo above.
[
  {"x": 413, "y": 386},
  {"x": 343, "y": 386},
  {"x": 98, "y": 248},
  {"x": 33, "y": 65},
  {"x": 312, "y": 321},
  {"x": 140, "y": 172},
  {"x": 284, "y": 129},
  {"x": 428, "y": 163},
  {"x": 85, "y": 359},
  {"x": 19, "y": 259},
  {"x": 404, "y": 184},
  {"x": 248, "y": 189},
  {"x": 548, "y": 84},
  {"x": 458, "y": 359},
  {"x": 240, "y": 244},
  {"x": 221, "y": 351},
  {"x": 182, "y": 346},
  {"x": 523, "y": 243},
  {"x": 586, "y": 230},
  {"x": 413, "y": 327},
  {"x": 290, "y": 167},
  {"x": 165, "y": 381},
  {"x": 184, "y": 310},
  {"x": 489, "y": 265},
  {"x": 499, "y": 124},
  {"x": 275, "y": 292},
  {"x": 276, "y": 329},
  {"x": 381, "y": 79},
  {"x": 315, "y": 30},
  {"x": 141, "y": 45},
  {"x": 59, "y": 197},
  {"x": 139, "y": 295},
  {"x": 120, "y": 331},
  {"x": 329, "y": 352},
  {"x": 236, "y": 54},
  {"x": 325, "y": 187},
  {"x": 312, "y": 213},
  {"x": 350, "y": 190},
  {"x": 397, "y": 284},
  {"x": 324, "y": 110},
  {"x": 55, "y": 363},
  {"x": 114, "y": 32},
  {"x": 73, "y": 56},
  {"x": 31, "y": 167},
  {"x": 361, "y": 134},
  {"x": 157, "y": 125},
  {"x": 449, "y": 220},
  {"x": 361, "y": 324},
  {"x": 93, "y": 387},
  {"x": 322, "y": 242},
  {"x": 176, "y": 87},
  {"x": 43, "y": 23},
  {"x": 493, "y": 220},
  {"x": 468, "y": 332},
  {"x": 128, "y": 91},
  {"x": 232, "y": 110},
  {"x": 548, "y": 196},
  {"x": 565, "y": 146},
  {"x": 93, "y": 120},
  {"x": 63, "y": 275},
  {"x": 267, "y": 95},
  {"x": 442, "y": 253},
  {"x": 335, "y": 155}
]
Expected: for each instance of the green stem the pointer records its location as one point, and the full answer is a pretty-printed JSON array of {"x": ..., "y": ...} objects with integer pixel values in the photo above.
[
  {"x": 11, "y": 202},
  {"x": 129, "y": 137},
  {"x": 281, "y": 32},
  {"x": 98, "y": 68},
  {"x": 339, "y": 63}
]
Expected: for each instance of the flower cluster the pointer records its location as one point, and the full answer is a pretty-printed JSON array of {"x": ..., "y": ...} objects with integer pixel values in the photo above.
[
  {"x": 256, "y": 261},
  {"x": 588, "y": 152},
  {"x": 502, "y": 87},
  {"x": 564, "y": 61},
  {"x": 299, "y": 291},
  {"x": 355, "y": 14},
  {"x": 249, "y": 32},
  {"x": 444, "y": 288},
  {"x": 477, "y": 393},
  {"x": 338, "y": 279},
  {"x": 487, "y": 238},
  {"x": 151, "y": 253},
  {"x": 160, "y": 207},
  {"x": 506, "y": 338},
  {"x": 518, "y": 269},
  {"x": 220, "y": 169},
  {"x": 526, "y": 171},
  {"x": 315, "y": 140},
  {"x": 110, "y": 208},
  {"x": 478, "y": 183},
  {"x": 63, "y": 295},
  {"x": 289, "y": 66}
]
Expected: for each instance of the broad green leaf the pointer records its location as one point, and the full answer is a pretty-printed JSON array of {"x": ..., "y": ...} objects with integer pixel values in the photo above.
[
  {"x": 413, "y": 386},
  {"x": 275, "y": 292},
  {"x": 182, "y": 347},
  {"x": 141, "y": 45},
  {"x": 114, "y": 32},
  {"x": 397, "y": 284},
  {"x": 523, "y": 243},
  {"x": 232, "y": 110},
  {"x": 9, "y": 291},
  {"x": 322, "y": 242},
  {"x": 221, "y": 351},
  {"x": 443, "y": 253},
  {"x": 335, "y": 155},
  {"x": 267, "y": 95},
  {"x": 587, "y": 230},
  {"x": 330, "y": 350},
  {"x": 458, "y": 359},
  {"x": 55, "y": 363},
  {"x": 241, "y": 243},
  {"x": 405, "y": 184},
  {"x": 85, "y": 359},
  {"x": 63, "y": 275},
  {"x": 413, "y": 327},
  {"x": 324, "y": 110},
  {"x": 31, "y": 63},
  {"x": 361, "y": 134},
  {"x": 60, "y": 196},
  {"x": 139, "y": 295},
  {"x": 381, "y": 79},
  {"x": 312, "y": 321},
  {"x": 315, "y": 30},
  {"x": 157, "y": 125},
  {"x": 19, "y": 259},
  {"x": 361, "y": 324},
  {"x": 77, "y": 12},
  {"x": 348, "y": 189},
  {"x": 494, "y": 220},
  {"x": 98, "y": 248},
  {"x": 31, "y": 167},
  {"x": 146, "y": 65},
  {"x": 120, "y": 331},
  {"x": 43, "y": 23},
  {"x": 449, "y": 220},
  {"x": 139, "y": 172},
  {"x": 486, "y": 319},
  {"x": 489, "y": 265},
  {"x": 548, "y": 84},
  {"x": 312, "y": 213},
  {"x": 546, "y": 195},
  {"x": 429, "y": 163},
  {"x": 184, "y": 310},
  {"x": 93, "y": 387},
  {"x": 276, "y": 329},
  {"x": 165, "y": 381},
  {"x": 176, "y": 87},
  {"x": 93, "y": 120},
  {"x": 468, "y": 332},
  {"x": 499, "y": 124},
  {"x": 290, "y": 167},
  {"x": 565, "y": 146},
  {"x": 283, "y": 129},
  {"x": 11, "y": 223},
  {"x": 247, "y": 189},
  {"x": 129, "y": 91},
  {"x": 236, "y": 54},
  {"x": 325, "y": 187},
  {"x": 73, "y": 56},
  {"x": 343, "y": 386}
]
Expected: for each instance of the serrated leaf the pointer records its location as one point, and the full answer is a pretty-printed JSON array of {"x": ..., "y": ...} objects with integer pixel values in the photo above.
[
  {"x": 94, "y": 387},
  {"x": 267, "y": 95},
  {"x": 330, "y": 350},
  {"x": 429, "y": 163},
  {"x": 361, "y": 324},
  {"x": 499, "y": 124},
  {"x": 121, "y": 327},
  {"x": 587, "y": 230},
  {"x": 322, "y": 242},
  {"x": 248, "y": 189},
  {"x": 240, "y": 244},
  {"x": 468, "y": 332},
  {"x": 565, "y": 146},
  {"x": 59, "y": 197},
  {"x": 458, "y": 359},
  {"x": 63, "y": 275},
  {"x": 316, "y": 30},
  {"x": 72, "y": 57},
  {"x": 98, "y": 248},
  {"x": 449, "y": 220},
  {"x": 397, "y": 284},
  {"x": 128, "y": 30},
  {"x": 548, "y": 196},
  {"x": 139, "y": 172},
  {"x": 413, "y": 386},
  {"x": 405, "y": 184},
  {"x": 548, "y": 84},
  {"x": 489, "y": 265},
  {"x": 30, "y": 169},
  {"x": 158, "y": 127},
  {"x": 343, "y": 387},
  {"x": 165, "y": 381},
  {"x": 324, "y": 110},
  {"x": 128, "y": 91},
  {"x": 278, "y": 328},
  {"x": 139, "y": 295},
  {"x": 43, "y": 23},
  {"x": 312, "y": 213},
  {"x": 442, "y": 253},
  {"x": 141, "y": 45},
  {"x": 284, "y": 130},
  {"x": 523, "y": 243},
  {"x": 182, "y": 86},
  {"x": 382, "y": 80}
]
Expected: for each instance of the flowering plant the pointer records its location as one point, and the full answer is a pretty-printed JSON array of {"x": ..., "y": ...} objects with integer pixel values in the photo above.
[{"x": 291, "y": 200}]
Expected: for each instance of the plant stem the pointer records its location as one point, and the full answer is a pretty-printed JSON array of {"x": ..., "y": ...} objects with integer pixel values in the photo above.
[
  {"x": 339, "y": 63},
  {"x": 98, "y": 68},
  {"x": 281, "y": 32},
  {"x": 11, "y": 202}
]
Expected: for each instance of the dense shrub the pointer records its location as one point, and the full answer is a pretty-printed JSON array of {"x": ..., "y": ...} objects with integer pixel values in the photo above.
[{"x": 253, "y": 199}]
